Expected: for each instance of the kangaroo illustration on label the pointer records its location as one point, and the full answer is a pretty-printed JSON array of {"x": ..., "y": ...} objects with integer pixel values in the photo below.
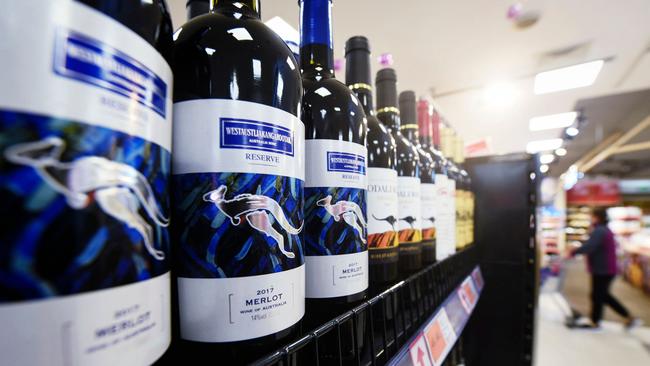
[
  {"x": 119, "y": 189},
  {"x": 432, "y": 219},
  {"x": 391, "y": 220},
  {"x": 409, "y": 220},
  {"x": 350, "y": 211},
  {"x": 257, "y": 209}
]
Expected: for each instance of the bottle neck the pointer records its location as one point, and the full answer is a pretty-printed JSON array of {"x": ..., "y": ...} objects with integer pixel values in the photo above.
[
  {"x": 196, "y": 8},
  {"x": 424, "y": 123},
  {"x": 435, "y": 129},
  {"x": 357, "y": 76},
  {"x": 250, "y": 8},
  {"x": 316, "y": 46}
]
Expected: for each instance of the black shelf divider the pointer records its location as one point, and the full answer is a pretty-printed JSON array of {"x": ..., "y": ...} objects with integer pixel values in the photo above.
[{"x": 382, "y": 325}]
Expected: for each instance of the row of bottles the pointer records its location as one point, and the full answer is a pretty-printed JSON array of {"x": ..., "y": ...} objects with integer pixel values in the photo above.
[{"x": 287, "y": 200}]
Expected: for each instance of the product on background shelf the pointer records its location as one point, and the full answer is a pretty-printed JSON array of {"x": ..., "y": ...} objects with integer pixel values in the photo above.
[
  {"x": 336, "y": 246},
  {"x": 238, "y": 186},
  {"x": 408, "y": 174},
  {"x": 409, "y": 128},
  {"x": 383, "y": 250},
  {"x": 85, "y": 142},
  {"x": 578, "y": 222}
]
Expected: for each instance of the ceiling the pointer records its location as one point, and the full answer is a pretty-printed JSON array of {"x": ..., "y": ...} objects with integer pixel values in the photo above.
[
  {"x": 452, "y": 49},
  {"x": 604, "y": 116}
]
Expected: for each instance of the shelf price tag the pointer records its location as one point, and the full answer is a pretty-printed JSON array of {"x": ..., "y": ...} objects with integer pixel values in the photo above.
[
  {"x": 419, "y": 354},
  {"x": 478, "y": 278},
  {"x": 440, "y": 336}
]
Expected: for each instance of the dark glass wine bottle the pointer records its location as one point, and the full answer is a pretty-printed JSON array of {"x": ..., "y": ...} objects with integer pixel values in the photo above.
[
  {"x": 409, "y": 128},
  {"x": 335, "y": 186},
  {"x": 383, "y": 249},
  {"x": 238, "y": 187},
  {"x": 85, "y": 126},
  {"x": 408, "y": 174},
  {"x": 195, "y": 8}
]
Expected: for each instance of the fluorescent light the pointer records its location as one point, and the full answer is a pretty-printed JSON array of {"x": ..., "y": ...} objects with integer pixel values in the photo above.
[
  {"x": 576, "y": 76},
  {"x": 546, "y": 158},
  {"x": 551, "y": 121},
  {"x": 543, "y": 145},
  {"x": 560, "y": 152},
  {"x": 572, "y": 131},
  {"x": 499, "y": 94},
  {"x": 543, "y": 168}
]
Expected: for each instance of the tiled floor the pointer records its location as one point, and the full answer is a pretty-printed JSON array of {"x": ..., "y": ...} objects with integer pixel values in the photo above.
[{"x": 611, "y": 346}]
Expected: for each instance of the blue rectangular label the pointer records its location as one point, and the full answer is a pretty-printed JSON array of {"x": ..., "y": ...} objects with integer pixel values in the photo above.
[
  {"x": 88, "y": 60},
  {"x": 255, "y": 135},
  {"x": 346, "y": 162}
]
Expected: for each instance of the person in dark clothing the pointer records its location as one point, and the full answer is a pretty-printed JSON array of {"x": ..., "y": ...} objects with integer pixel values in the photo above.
[{"x": 600, "y": 250}]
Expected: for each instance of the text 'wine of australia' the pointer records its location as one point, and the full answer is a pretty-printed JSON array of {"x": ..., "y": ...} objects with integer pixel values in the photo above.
[
  {"x": 85, "y": 144},
  {"x": 238, "y": 186},
  {"x": 409, "y": 128},
  {"x": 408, "y": 174},
  {"x": 383, "y": 250}
]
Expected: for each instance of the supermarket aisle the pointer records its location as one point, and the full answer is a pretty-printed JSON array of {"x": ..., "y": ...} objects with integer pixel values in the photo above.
[{"x": 560, "y": 346}]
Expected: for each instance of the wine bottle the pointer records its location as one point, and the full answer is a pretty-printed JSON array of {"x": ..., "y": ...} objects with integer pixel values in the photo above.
[
  {"x": 409, "y": 128},
  {"x": 336, "y": 250},
  {"x": 408, "y": 174},
  {"x": 383, "y": 249},
  {"x": 448, "y": 144},
  {"x": 460, "y": 193},
  {"x": 85, "y": 126},
  {"x": 238, "y": 186},
  {"x": 436, "y": 195},
  {"x": 449, "y": 204},
  {"x": 442, "y": 210}
]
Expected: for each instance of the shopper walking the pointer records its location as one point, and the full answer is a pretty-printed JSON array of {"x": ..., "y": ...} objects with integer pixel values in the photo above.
[{"x": 600, "y": 250}]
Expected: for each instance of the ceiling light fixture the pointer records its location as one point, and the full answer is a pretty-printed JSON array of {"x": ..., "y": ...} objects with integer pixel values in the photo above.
[
  {"x": 543, "y": 168},
  {"x": 560, "y": 152},
  {"x": 571, "y": 77},
  {"x": 546, "y": 158},
  {"x": 572, "y": 131},
  {"x": 551, "y": 121},
  {"x": 499, "y": 94},
  {"x": 543, "y": 145}
]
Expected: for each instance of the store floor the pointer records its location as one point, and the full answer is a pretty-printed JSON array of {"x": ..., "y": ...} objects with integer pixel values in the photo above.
[
  {"x": 612, "y": 345},
  {"x": 577, "y": 287}
]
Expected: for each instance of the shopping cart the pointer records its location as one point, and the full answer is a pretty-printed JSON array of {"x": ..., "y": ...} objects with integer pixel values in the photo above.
[{"x": 552, "y": 279}]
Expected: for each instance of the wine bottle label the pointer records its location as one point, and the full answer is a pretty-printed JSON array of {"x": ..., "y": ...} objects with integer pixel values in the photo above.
[
  {"x": 335, "y": 218},
  {"x": 238, "y": 187},
  {"x": 443, "y": 219},
  {"x": 382, "y": 215},
  {"x": 410, "y": 217},
  {"x": 85, "y": 144},
  {"x": 452, "y": 215},
  {"x": 428, "y": 208}
]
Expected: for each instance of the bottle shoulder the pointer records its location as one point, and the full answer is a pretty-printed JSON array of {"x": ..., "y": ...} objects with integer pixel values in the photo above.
[
  {"x": 218, "y": 56},
  {"x": 149, "y": 19},
  {"x": 331, "y": 111}
]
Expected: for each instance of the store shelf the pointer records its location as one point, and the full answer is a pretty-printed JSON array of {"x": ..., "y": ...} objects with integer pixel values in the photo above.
[
  {"x": 435, "y": 339},
  {"x": 391, "y": 318}
]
